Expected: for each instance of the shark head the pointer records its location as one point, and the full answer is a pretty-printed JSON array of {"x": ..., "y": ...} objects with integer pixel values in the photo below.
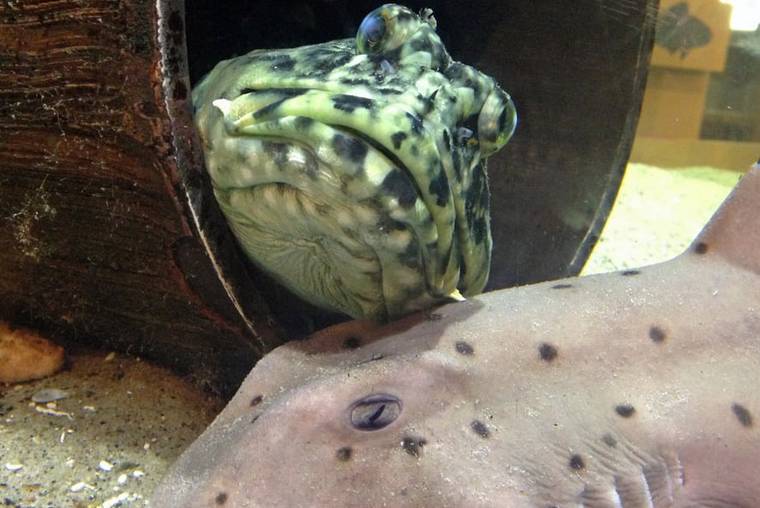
[{"x": 636, "y": 388}]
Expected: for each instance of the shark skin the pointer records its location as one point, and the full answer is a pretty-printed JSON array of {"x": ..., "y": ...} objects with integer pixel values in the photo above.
[{"x": 634, "y": 389}]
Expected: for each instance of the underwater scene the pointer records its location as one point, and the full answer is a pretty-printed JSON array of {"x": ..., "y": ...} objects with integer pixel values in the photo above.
[{"x": 287, "y": 253}]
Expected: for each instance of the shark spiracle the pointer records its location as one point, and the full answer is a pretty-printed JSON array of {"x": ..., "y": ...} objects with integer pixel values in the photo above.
[{"x": 354, "y": 171}]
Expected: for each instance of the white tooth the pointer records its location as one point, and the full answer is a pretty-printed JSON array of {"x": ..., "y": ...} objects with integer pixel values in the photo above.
[{"x": 222, "y": 105}]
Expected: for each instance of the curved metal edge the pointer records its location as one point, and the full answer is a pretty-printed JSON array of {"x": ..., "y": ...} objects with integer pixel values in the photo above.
[
  {"x": 209, "y": 226},
  {"x": 624, "y": 148}
]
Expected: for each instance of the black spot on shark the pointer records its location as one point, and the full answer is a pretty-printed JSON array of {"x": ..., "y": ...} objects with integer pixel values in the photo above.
[
  {"x": 547, "y": 352},
  {"x": 344, "y": 454},
  {"x": 576, "y": 462},
  {"x": 742, "y": 414},
  {"x": 413, "y": 445},
  {"x": 463, "y": 348},
  {"x": 480, "y": 429},
  {"x": 701, "y": 248},
  {"x": 657, "y": 334},
  {"x": 625, "y": 410}
]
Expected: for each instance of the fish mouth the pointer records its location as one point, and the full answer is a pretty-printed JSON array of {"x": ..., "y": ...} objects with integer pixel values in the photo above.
[{"x": 357, "y": 174}]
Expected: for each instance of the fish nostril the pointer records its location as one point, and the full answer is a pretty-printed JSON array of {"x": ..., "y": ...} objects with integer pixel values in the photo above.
[{"x": 374, "y": 412}]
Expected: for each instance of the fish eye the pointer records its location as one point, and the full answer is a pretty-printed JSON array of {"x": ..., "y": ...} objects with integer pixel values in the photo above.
[
  {"x": 371, "y": 32},
  {"x": 497, "y": 121}
]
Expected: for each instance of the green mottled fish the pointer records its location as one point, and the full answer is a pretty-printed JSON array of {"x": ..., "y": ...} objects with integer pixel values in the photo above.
[{"x": 354, "y": 171}]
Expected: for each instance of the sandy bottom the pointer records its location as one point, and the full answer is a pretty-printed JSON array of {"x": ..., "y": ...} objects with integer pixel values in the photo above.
[
  {"x": 107, "y": 443},
  {"x": 123, "y": 421}
]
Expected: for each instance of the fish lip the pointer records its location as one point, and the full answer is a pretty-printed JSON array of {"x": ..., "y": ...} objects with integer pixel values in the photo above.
[{"x": 372, "y": 143}]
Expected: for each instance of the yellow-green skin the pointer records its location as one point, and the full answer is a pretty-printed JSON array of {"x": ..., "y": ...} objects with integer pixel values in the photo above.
[{"x": 354, "y": 171}]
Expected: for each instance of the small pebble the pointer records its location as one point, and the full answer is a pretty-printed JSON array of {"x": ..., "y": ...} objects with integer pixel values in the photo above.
[
  {"x": 116, "y": 501},
  {"x": 49, "y": 395},
  {"x": 122, "y": 479},
  {"x": 13, "y": 467},
  {"x": 105, "y": 466},
  {"x": 79, "y": 486}
]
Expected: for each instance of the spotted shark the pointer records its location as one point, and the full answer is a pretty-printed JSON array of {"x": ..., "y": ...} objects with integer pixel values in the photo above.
[{"x": 639, "y": 388}]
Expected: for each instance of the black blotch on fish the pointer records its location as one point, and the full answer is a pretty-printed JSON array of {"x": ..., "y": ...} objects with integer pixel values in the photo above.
[
  {"x": 629, "y": 273},
  {"x": 397, "y": 184},
  {"x": 344, "y": 454},
  {"x": 701, "y": 248},
  {"x": 302, "y": 123},
  {"x": 479, "y": 230},
  {"x": 416, "y": 123},
  {"x": 480, "y": 429},
  {"x": 576, "y": 462},
  {"x": 742, "y": 414},
  {"x": 679, "y": 32},
  {"x": 355, "y": 81},
  {"x": 256, "y": 400},
  {"x": 625, "y": 410},
  {"x": 389, "y": 91},
  {"x": 447, "y": 140},
  {"x": 352, "y": 343},
  {"x": 562, "y": 286},
  {"x": 439, "y": 187},
  {"x": 221, "y": 498},
  {"x": 278, "y": 153},
  {"x": 657, "y": 334},
  {"x": 609, "y": 440},
  {"x": 411, "y": 255},
  {"x": 397, "y": 138},
  {"x": 464, "y": 348},
  {"x": 349, "y": 103},
  {"x": 547, "y": 352},
  {"x": 375, "y": 412},
  {"x": 456, "y": 161},
  {"x": 476, "y": 197},
  {"x": 413, "y": 445},
  {"x": 427, "y": 103},
  {"x": 283, "y": 63},
  {"x": 350, "y": 148}
]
